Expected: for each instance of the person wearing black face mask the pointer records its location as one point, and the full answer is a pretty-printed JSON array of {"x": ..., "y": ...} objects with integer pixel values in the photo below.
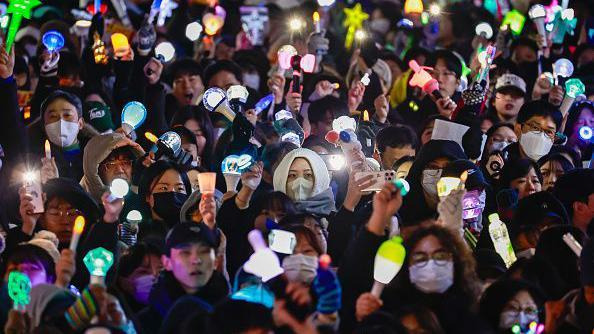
[{"x": 164, "y": 188}]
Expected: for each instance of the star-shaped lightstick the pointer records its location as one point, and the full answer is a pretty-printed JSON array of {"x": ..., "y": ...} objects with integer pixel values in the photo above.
[
  {"x": 353, "y": 21},
  {"x": 18, "y": 9},
  {"x": 564, "y": 23}
]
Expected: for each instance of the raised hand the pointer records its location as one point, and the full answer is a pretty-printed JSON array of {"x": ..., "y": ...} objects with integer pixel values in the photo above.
[
  {"x": 112, "y": 209},
  {"x": 367, "y": 304},
  {"x": 355, "y": 190},
  {"x": 381, "y": 108},
  {"x": 26, "y": 209},
  {"x": 385, "y": 204},
  {"x": 208, "y": 210},
  {"x": 6, "y": 63},
  {"x": 153, "y": 70},
  {"x": 65, "y": 268},
  {"x": 446, "y": 106}
]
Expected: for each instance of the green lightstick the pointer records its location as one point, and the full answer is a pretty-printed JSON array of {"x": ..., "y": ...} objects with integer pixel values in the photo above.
[
  {"x": 19, "y": 287},
  {"x": 98, "y": 261},
  {"x": 573, "y": 88},
  {"x": 18, "y": 9}
]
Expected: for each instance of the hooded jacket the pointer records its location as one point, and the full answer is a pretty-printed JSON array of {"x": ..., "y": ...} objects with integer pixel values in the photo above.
[
  {"x": 414, "y": 207},
  {"x": 321, "y": 201},
  {"x": 97, "y": 150}
]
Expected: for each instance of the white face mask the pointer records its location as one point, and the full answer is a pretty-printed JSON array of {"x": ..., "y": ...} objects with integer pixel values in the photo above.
[
  {"x": 62, "y": 133},
  {"x": 251, "y": 80},
  {"x": 508, "y": 319},
  {"x": 432, "y": 277},
  {"x": 498, "y": 146},
  {"x": 300, "y": 189},
  {"x": 535, "y": 144},
  {"x": 429, "y": 181},
  {"x": 300, "y": 268}
]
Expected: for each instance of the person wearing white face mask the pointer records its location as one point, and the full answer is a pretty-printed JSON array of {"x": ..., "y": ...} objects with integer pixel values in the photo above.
[
  {"x": 507, "y": 303},
  {"x": 61, "y": 123},
  {"x": 536, "y": 128},
  {"x": 303, "y": 176}
]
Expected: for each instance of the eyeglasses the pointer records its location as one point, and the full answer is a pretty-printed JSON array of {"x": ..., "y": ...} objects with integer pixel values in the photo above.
[
  {"x": 516, "y": 309},
  {"x": 532, "y": 127},
  {"x": 111, "y": 165},
  {"x": 437, "y": 73},
  {"x": 441, "y": 258},
  {"x": 61, "y": 213}
]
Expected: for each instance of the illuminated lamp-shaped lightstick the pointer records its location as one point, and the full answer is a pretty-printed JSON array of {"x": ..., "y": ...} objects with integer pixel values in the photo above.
[
  {"x": 501, "y": 241},
  {"x": 120, "y": 44},
  {"x": 537, "y": 14},
  {"x": 388, "y": 261},
  {"x": 237, "y": 96},
  {"x": 53, "y": 41},
  {"x": 308, "y": 63},
  {"x": 326, "y": 3},
  {"x": 118, "y": 189},
  {"x": 133, "y": 115},
  {"x": 263, "y": 262},
  {"x": 79, "y": 226},
  {"x": 19, "y": 288},
  {"x": 343, "y": 123},
  {"x": 18, "y": 9},
  {"x": 215, "y": 100},
  {"x": 284, "y": 55},
  {"x": 353, "y": 21},
  {"x": 573, "y": 88},
  {"x": 562, "y": 67},
  {"x": 424, "y": 80},
  {"x": 98, "y": 261}
]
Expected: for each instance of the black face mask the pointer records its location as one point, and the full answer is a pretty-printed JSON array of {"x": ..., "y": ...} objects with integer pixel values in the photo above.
[{"x": 168, "y": 205}]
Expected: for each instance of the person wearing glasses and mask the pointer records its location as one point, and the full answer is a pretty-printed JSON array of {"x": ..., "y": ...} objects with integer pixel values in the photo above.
[
  {"x": 536, "y": 129},
  {"x": 106, "y": 158}
]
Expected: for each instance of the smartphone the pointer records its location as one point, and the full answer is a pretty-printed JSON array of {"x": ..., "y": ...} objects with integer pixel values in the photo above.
[
  {"x": 334, "y": 162},
  {"x": 379, "y": 179},
  {"x": 282, "y": 241},
  {"x": 445, "y": 185},
  {"x": 32, "y": 184}
]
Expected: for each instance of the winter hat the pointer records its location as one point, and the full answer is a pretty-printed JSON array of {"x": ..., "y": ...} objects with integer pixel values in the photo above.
[
  {"x": 475, "y": 179},
  {"x": 49, "y": 242},
  {"x": 98, "y": 115},
  {"x": 382, "y": 69},
  {"x": 321, "y": 176},
  {"x": 46, "y": 298}
]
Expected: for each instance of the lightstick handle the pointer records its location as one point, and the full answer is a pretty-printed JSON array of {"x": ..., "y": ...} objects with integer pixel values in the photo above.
[
  {"x": 100, "y": 280},
  {"x": 74, "y": 241},
  {"x": 377, "y": 289},
  {"x": 296, "y": 81},
  {"x": 436, "y": 95},
  {"x": 566, "y": 105},
  {"x": 256, "y": 240}
]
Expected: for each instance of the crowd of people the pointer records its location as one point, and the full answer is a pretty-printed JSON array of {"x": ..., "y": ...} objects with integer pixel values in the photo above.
[{"x": 196, "y": 166}]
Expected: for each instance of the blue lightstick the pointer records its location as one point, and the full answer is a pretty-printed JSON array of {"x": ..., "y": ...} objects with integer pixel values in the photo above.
[{"x": 53, "y": 41}]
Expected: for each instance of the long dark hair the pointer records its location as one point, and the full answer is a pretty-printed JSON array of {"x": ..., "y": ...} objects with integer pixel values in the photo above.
[{"x": 200, "y": 115}]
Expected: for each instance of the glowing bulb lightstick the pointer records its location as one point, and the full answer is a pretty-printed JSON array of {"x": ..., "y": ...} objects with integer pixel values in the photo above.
[
  {"x": 48, "y": 150},
  {"x": 537, "y": 14},
  {"x": 19, "y": 288},
  {"x": 424, "y": 80},
  {"x": 326, "y": 3},
  {"x": 434, "y": 9},
  {"x": 562, "y": 67},
  {"x": 215, "y": 100},
  {"x": 573, "y": 88},
  {"x": 193, "y": 31},
  {"x": 120, "y": 44},
  {"x": 353, "y": 22},
  {"x": 133, "y": 115},
  {"x": 18, "y": 9},
  {"x": 212, "y": 23},
  {"x": 98, "y": 261},
  {"x": 134, "y": 217},
  {"x": 484, "y": 30},
  {"x": 118, "y": 189},
  {"x": 585, "y": 133},
  {"x": 53, "y": 41},
  {"x": 263, "y": 262},
  {"x": 501, "y": 241},
  {"x": 79, "y": 226},
  {"x": 388, "y": 261},
  {"x": 165, "y": 50}
]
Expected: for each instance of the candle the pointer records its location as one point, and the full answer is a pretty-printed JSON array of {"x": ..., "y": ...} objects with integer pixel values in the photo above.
[
  {"x": 48, "y": 150},
  {"x": 316, "y": 20},
  {"x": 365, "y": 116},
  {"x": 79, "y": 226}
]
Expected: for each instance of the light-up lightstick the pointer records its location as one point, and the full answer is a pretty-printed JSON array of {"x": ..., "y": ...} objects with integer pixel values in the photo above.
[
  {"x": 344, "y": 123},
  {"x": 97, "y": 6},
  {"x": 434, "y": 9},
  {"x": 48, "y": 149},
  {"x": 562, "y": 67},
  {"x": 295, "y": 24},
  {"x": 53, "y": 41},
  {"x": 133, "y": 115},
  {"x": 413, "y": 7},
  {"x": 255, "y": 293},
  {"x": 79, "y": 226},
  {"x": 19, "y": 289},
  {"x": 501, "y": 241},
  {"x": 263, "y": 262},
  {"x": 291, "y": 137},
  {"x": 585, "y": 133},
  {"x": 573, "y": 88},
  {"x": 515, "y": 20},
  {"x": 326, "y": 3},
  {"x": 193, "y": 31},
  {"x": 573, "y": 244},
  {"x": 212, "y": 23},
  {"x": 353, "y": 21},
  {"x": 155, "y": 8},
  {"x": 118, "y": 189},
  {"x": 484, "y": 30},
  {"x": 403, "y": 186},
  {"x": 120, "y": 44},
  {"x": 237, "y": 96},
  {"x": 388, "y": 261},
  {"x": 445, "y": 185},
  {"x": 537, "y": 14},
  {"x": 564, "y": 23},
  {"x": 18, "y": 9},
  {"x": 168, "y": 144},
  {"x": 151, "y": 137},
  {"x": 308, "y": 63},
  {"x": 215, "y": 100},
  {"x": 99, "y": 49},
  {"x": 424, "y": 80},
  {"x": 165, "y": 50},
  {"x": 207, "y": 182},
  {"x": 284, "y": 55},
  {"x": 264, "y": 103},
  {"x": 98, "y": 261},
  {"x": 254, "y": 20},
  {"x": 232, "y": 167},
  {"x": 486, "y": 59},
  {"x": 134, "y": 217}
]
